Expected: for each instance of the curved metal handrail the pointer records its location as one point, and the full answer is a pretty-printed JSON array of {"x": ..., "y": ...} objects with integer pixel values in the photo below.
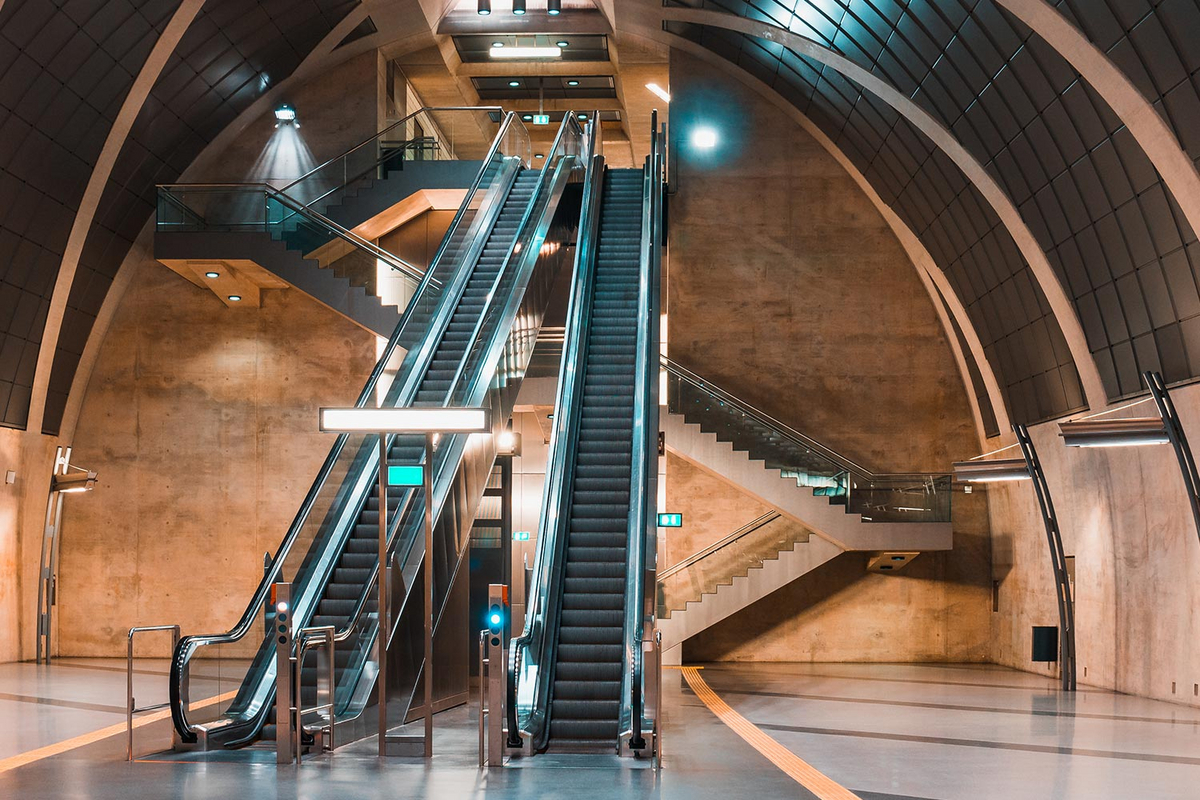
[
  {"x": 190, "y": 644},
  {"x": 720, "y": 544},
  {"x": 644, "y": 468}
]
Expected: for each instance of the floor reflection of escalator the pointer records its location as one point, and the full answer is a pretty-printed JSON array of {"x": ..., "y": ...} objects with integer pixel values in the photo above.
[{"x": 585, "y": 703}]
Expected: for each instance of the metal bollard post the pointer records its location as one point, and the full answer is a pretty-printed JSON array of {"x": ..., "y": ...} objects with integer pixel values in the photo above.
[
  {"x": 483, "y": 665},
  {"x": 284, "y": 689}
]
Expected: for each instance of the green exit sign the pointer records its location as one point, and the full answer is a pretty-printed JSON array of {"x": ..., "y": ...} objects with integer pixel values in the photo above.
[
  {"x": 541, "y": 119},
  {"x": 521, "y": 536},
  {"x": 670, "y": 520},
  {"x": 406, "y": 476}
]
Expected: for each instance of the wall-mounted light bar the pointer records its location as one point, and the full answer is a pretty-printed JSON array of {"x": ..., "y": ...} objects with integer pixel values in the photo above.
[
  {"x": 405, "y": 420},
  {"x": 994, "y": 471},
  {"x": 526, "y": 52},
  {"x": 1114, "y": 432},
  {"x": 660, "y": 92}
]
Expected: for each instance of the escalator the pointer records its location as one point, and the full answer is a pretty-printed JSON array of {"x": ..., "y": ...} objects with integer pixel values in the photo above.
[
  {"x": 577, "y": 665},
  {"x": 464, "y": 340},
  {"x": 585, "y": 699}
]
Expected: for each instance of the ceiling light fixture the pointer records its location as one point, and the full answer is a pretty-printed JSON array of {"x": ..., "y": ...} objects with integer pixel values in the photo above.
[
  {"x": 659, "y": 91},
  {"x": 497, "y": 44},
  {"x": 286, "y": 115},
  {"x": 554, "y": 7},
  {"x": 1114, "y": 432},
  {"x": 572, "y": 83},
  {"x": 519, "y": 7},
  {"x": 527, "y": 117},
  {"x": 514, "y": 84},
  {"x": 484, "y": 7},
  {"x": 525, "y": 52},
  {"x": 212, "y": 274},
  {"x": 234, "y": 298},
  {"x": 562, "y": 43},
  {"x": 994, "y": 471}
]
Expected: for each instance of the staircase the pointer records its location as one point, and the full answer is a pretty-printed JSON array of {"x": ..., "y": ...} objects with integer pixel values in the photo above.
[
  {"x": 812, "y": 488},
  {"x": 837, "y": 499},
  {"x": 585, "y": 699},
  {"x": 314, "y": 252},
  {"x": 741, "y": 569}
]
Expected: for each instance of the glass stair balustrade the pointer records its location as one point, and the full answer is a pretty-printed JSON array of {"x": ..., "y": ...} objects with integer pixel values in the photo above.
[{"x": 875, "y": 497}]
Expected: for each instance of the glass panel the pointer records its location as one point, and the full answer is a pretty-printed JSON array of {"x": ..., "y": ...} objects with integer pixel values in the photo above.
[
  {"x": 430, "y": 134},
  {"x": 733, "y": 557},
  {"x": 877, "y": 497}
]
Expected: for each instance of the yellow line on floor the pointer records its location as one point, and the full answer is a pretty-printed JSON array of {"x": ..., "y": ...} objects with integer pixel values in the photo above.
[
  {"x": 58, "y": 748},
  {"x": 792, "y": 765}
]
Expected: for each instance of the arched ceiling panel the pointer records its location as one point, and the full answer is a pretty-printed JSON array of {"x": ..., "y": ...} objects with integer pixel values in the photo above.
[
  {"x": 65, "y": 69},
  {"x": 963, "y": 235},
  {"x": 1155, "y": 44},
  {"x": 1111, "y": 230},
  {"x": 232, "y": 53}
]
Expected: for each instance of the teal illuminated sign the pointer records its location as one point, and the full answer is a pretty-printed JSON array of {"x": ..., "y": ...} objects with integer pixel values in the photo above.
[
  {"x": 521, "y": 536},
  {"x": 541, "y": 119},
  {"x": 670, "y": 520},
  {"x": 406, "y": 476}
]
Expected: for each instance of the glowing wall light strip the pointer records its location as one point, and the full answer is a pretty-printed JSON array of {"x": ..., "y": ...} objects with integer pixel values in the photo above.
[
  {"x": 1114, "y": 432},
  {"x": 405, "y": 420},
  {"x": 659, "y": 91},
  {"x": 526, "y": 52},
  {"x": 994, "y": 471}
]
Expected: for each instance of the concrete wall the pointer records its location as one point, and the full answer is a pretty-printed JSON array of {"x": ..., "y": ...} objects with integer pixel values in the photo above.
[
  {"x": 201, "y": 419},
  {"x": 337, "y": 109},
  {"x": 10, "y": 513},
  {"x": 202, "y": 423},
  {"x": 787, "y": 288},
  {"x": 1124, "y": 516}
]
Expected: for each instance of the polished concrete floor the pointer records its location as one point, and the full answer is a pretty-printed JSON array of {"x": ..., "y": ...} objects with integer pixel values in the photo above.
[{"x": 885, "y": 732}]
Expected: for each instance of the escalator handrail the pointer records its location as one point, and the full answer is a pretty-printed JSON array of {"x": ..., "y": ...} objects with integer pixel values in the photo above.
[
  {"x": 169, "y": 191},
  {"x": 189, "y": 644},
  {"x": 540, "y": 622},
  {"x": 568, "y": 121},
  {"x": 644, "y": 467},
  {"x": 494, "y": 302}
]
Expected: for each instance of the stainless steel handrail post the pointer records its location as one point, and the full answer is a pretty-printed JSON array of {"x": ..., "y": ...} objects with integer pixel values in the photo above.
[
  {"x": 658, "y": 700},
  {"x": 130, "y": 707},
  {"x": 326, "y": 636}
]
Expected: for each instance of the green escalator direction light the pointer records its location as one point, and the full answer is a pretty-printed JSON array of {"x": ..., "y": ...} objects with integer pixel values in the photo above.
[
  {"x": 670, "y": 520},
  {"x": 409, "y": 475}
]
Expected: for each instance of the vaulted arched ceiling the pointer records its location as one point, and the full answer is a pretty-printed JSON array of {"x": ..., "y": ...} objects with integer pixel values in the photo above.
[{"x": 1119, "y": 245}]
